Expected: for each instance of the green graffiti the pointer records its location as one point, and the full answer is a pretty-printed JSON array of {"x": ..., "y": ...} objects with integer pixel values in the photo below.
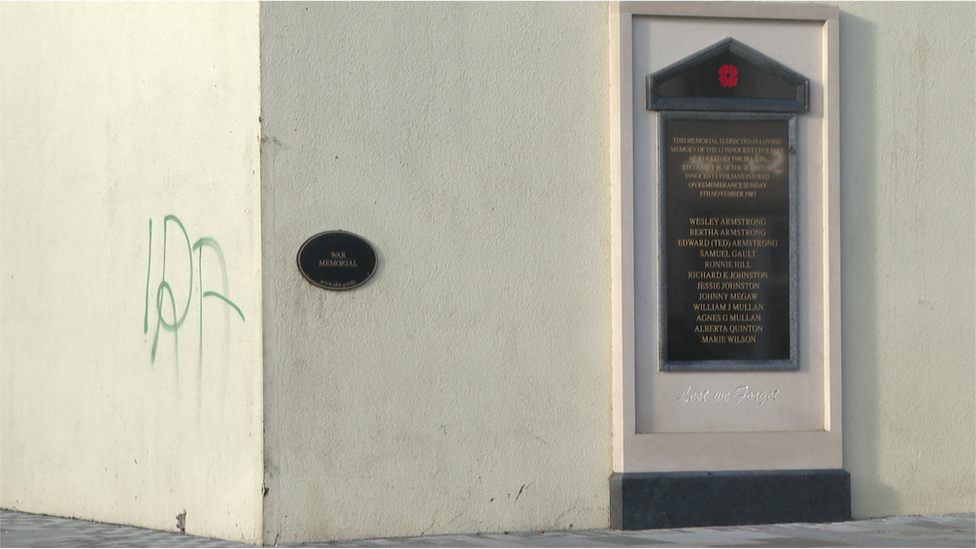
[{"x": 166, "y": 296}]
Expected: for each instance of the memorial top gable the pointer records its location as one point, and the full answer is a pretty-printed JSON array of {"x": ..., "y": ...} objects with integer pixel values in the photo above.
[{"x": 728, "y": 76}]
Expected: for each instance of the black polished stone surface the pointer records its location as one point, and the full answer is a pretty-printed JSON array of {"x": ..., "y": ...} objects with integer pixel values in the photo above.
[
  {"x": 641, "y": 501},
  {"x": 336, "y": 260},
  {"x": 727, "y": 242},
  {"x": 728, "y": 76}
]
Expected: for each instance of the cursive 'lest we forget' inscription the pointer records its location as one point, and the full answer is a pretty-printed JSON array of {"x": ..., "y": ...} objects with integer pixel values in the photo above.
[{"x": 742, "y": 394}]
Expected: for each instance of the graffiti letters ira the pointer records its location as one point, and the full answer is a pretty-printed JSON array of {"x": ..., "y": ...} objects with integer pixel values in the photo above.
[{"x": 183, "y": 284}]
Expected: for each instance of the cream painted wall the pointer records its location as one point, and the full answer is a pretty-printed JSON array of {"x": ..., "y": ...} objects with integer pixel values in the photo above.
[
  {"x": 466, "y": 387},
  {"x": 907, "y": 209},
  {"x": 114, "y": 117},
  {"x": 908, "y": 159},
  {"x": 442, "y": 97}
]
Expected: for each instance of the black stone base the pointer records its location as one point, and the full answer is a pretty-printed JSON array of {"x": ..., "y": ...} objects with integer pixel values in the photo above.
[{"x": 640, "y": 501}]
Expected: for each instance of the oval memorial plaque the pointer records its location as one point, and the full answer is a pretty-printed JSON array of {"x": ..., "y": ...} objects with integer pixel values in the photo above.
[{"x": 336, "y": 260}]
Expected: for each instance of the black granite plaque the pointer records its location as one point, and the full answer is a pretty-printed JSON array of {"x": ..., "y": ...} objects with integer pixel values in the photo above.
[
  {"x": 728, "y": 76},
  {"x": 336, "y": 260},
  {"x": 729, "y": 303}
]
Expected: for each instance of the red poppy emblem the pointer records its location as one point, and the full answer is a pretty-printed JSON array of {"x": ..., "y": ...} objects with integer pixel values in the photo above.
[{"x": 727, "y": 76}]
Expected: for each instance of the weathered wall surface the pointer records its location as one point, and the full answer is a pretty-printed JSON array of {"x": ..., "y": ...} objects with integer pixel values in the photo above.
[
  {"x": 131, "y": 272},
  {"x": 907, "y": 209},
  {"x": 466, "y": 387},
  {"x": 437, "y": 144}
]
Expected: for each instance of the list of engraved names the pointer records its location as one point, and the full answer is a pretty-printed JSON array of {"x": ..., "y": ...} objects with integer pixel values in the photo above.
[{"x": 727, "y": 240}]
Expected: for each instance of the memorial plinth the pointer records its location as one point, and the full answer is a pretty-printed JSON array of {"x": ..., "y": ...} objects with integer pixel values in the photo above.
[{"x": 725, "y": 286}]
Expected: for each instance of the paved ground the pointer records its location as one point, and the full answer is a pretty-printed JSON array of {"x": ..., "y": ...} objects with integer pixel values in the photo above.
[{"x": 24, "y": 530}]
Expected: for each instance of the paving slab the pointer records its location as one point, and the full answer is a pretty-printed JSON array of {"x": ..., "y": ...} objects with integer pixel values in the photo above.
[{"x": 950, "y": 530}]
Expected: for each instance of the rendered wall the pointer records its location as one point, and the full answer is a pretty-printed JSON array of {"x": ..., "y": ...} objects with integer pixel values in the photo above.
[
  {"x": 907, "y": 224},
  {"x": 466, "y": 387},
  {"x": 115, "y": 116},
  {"x": 400, "y": 135},
  {"x": 907, "y": 195}
]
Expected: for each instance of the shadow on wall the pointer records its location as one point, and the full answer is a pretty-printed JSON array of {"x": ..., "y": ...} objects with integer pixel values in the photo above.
[{"x": 859, "y": 263}]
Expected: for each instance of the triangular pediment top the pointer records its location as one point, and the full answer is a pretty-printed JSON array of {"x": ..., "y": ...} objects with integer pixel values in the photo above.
[{"x": 728, "y": 76}]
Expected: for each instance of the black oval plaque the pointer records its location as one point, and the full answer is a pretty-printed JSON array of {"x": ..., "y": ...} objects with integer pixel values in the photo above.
[{"x": 336, "y": 260}]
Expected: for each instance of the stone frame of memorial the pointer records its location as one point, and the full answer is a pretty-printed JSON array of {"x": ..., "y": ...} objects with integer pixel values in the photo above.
[{"x": 741, "y": 440}]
